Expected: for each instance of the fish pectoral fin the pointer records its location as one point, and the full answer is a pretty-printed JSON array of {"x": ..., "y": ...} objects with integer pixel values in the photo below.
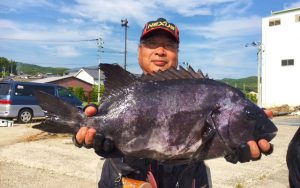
[{"x": 209, "y": 131}]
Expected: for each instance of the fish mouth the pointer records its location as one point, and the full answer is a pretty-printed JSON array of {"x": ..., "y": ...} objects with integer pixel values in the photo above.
[
  {"x": 266, "y": 130},
  {"x": 267, "y": 136}
]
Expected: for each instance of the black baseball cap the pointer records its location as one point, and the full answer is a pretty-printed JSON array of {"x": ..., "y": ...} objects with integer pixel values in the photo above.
[{"x": 161, "y": 24}]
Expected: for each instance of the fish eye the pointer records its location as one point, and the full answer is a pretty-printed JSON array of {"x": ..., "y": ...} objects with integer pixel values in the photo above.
[{"x": 250, "y": 112}]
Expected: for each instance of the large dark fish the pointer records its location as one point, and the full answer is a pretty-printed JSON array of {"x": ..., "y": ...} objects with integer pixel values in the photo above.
[
  {"x": 293, "y": 160},
  {"x": 170, "y": 115}
]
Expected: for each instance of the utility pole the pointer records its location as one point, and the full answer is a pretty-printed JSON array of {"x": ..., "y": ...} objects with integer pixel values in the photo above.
[
  {"x": 3, "y": 74},
  {"x": 100, "y": 47},
  {"x": 11, "y": 66},
  {"x": 258, "y": 45},
  {"x": 124, "y": 23}
]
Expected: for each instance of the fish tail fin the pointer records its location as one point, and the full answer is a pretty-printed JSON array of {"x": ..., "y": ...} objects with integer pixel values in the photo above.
[{"x": 59, "y": 112}]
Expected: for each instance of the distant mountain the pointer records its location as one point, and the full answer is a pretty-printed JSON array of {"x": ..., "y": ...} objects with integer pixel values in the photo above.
[
  {"x": 244, "y": 84},
  {"x": 34, "y": 69}
]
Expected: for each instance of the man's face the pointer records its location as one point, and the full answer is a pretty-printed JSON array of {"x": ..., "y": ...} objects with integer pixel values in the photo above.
[{"x": 158, "y": 52}]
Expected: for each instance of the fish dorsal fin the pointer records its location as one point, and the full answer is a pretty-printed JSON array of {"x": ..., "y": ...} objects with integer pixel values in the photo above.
[
  {"x": 116, "y": 78},
  {"x": 195, "y": 74},
  {"x": 175, "y": 74}
]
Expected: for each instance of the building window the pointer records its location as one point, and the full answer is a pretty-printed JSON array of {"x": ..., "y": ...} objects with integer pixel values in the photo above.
[
  {"x": 297, "y": 18},
  {"x": 287, "y": 62},
  {"x": 274, "y": 22}
]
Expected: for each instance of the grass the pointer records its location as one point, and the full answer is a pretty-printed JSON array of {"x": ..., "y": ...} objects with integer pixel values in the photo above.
[{"x": 239, "y": 185}]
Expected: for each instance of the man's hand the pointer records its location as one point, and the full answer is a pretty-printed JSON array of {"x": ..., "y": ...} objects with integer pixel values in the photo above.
[
  {"x": 85, "y": 135},
  {"x": 90, "y": 110},
  {"x": 269, "y": 113},
  {"x": 89, "y": 138},
  {"x": 256, "y": 148}
]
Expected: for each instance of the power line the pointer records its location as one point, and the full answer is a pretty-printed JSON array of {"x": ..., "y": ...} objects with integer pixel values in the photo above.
[{"x": 113, "y": 52}]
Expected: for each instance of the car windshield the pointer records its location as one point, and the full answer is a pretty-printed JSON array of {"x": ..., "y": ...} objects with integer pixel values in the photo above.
[{"x": 4, "y": 88}]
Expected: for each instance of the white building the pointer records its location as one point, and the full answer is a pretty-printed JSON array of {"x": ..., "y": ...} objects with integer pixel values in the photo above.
[
  {"x": 281, "y": 58},
  {"x": 90, "y": 75}
]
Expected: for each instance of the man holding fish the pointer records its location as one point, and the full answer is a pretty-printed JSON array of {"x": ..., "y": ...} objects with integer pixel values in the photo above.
[{"x": 157, "y": 51}]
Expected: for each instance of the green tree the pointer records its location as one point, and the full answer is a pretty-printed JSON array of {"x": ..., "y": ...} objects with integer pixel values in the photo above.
[
  {"x": 79, "y": 92},
  {"x": 94, "y": 94},
  {"x": 252, "y": 97},
  {"x": 71, "y": 89},
  {"x": 7, "y": 66}
]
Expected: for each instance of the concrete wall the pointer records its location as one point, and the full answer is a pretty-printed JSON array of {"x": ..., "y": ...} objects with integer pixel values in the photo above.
[{"x": 280, "y": 84}]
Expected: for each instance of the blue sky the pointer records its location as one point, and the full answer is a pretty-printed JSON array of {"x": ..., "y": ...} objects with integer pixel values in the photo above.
[{"x": 213, "y": 33}]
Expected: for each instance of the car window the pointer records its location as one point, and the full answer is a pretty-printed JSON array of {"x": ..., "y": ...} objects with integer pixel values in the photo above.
[
  {"x": 28, "y": 90},
  {"x": 46, "y": 89},
  {"x": 24, "y": 90},
  {"x": 4, "y": 88},
  {"x": 63, "y": 92}
]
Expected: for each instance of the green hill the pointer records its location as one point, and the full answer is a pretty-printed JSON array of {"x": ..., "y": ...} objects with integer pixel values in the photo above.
[
  {"x": 34, "y": 69},
  {"x": 244, "y": 84}
]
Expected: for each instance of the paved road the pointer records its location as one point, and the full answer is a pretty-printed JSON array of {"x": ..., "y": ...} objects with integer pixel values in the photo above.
[
  {"x": 270, "y": 171},
  {"x": 287, "y": 120}
]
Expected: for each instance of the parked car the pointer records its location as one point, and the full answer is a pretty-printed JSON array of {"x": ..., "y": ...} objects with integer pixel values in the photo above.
[{"x": 17, "y": 99}]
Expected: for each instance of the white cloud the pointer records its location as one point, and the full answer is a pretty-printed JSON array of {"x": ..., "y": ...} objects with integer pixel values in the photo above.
[
  {"x": 65, "y": 32},
  {"x": 193, "y": 7},
  {"x": 292, "y": 5},
  {"x": 6, "y": 10},
  {"x": 111, "y": 11},
  {"x": 70, "y": 21},
  {"x": 7, "y": 25},
  {"x": 242, "y": 26},
  {"x": 138, "y": 11},
  {"x": 26, "y": 3},
  {"x": 222, "y": 57},
  {"x": 234, "y": 8},
  {"x": 65, "y": 51},
  {"x": 59, "y": 40}
]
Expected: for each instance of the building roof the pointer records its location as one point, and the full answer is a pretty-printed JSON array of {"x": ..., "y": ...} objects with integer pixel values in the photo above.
[
  {"x": 285, "y": 11},
  {"x": 94, "y": 72},
  {"x": 53, "y": 78}
]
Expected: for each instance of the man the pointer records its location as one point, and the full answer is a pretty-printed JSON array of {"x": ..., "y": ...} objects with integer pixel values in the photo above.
[
  {"x": 293, "y": 160},
  {"x": 158, "y": 50}
]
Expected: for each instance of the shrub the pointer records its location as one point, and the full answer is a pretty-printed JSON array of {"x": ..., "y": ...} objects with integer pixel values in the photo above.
[
  {"x": 252, "y": 97},
  {"x": 94, "y": 95},
  {"x": 79, "y": 92}
]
